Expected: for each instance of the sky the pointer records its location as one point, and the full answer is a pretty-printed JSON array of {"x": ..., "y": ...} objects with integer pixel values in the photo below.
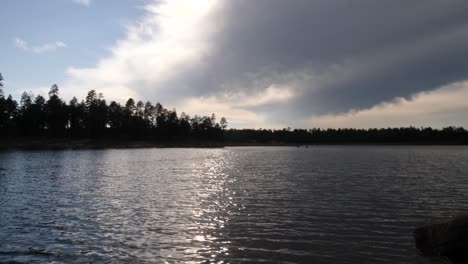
[{"x": 261, "y": 64}]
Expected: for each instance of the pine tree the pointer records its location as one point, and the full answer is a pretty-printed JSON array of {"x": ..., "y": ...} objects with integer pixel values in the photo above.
[{"x": 1, "y": 86}]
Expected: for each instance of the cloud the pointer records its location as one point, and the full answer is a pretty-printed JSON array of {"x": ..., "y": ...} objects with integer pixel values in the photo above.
[
  {"x": 237, "y": 116},
  {"x": 83, "y": 2},
  {"x": 239, "y": 106},
  {"x": 22, "y": 44},
  {"x": 48, "y": 47},
  {"x": 170, "y": 39},
  {"x": 446, "y": 106},
  {"x": 283, "y": 60}
]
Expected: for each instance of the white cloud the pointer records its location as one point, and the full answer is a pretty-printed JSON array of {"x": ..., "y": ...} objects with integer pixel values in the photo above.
[
  {"x": 167, "y": 39},
  {"x": 206, "y": 106},
  {"x": 83, "y": 2},
  {"x": 235, "y": 106},
  {"x": 272, "y": 94},
  {"x": 446, "y": 106},
  {"x": 22, "y": 44},
  {"x": 238, "y": 116},
  {"x": 48, "y": 47}
]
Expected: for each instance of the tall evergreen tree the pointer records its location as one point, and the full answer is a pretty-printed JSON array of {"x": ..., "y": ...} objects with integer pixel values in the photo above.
[
  {"x": 1, "y": 86},
  {"x": 184, "y": 126},
  {"x": 11, "y": 115},
  {"x": 57, "y": 116},
  {"x": 96, "y": 118},
  {"x": 149, "y": 114},
  {"x": 32, "y": 116},
  {"x": 76, "y": 117},
  {"x": 116, "y": 116},
  {"x": 223, "y": 123},
  {"x": 3, "y": 109},
  {"x": 39, "y": 115},
  {"x": 8, "y": 112}
]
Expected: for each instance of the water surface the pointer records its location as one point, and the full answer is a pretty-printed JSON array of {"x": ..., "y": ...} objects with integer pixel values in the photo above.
[{"x": 324, "y": 204}]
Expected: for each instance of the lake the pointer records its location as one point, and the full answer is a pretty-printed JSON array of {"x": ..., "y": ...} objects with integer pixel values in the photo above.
[{"x": 322, "y": 204}]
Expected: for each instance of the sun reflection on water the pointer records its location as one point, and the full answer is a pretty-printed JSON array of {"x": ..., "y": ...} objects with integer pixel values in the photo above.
[
  {"x": 214, "y": 206},
  {"x": 233, "y": 205}
]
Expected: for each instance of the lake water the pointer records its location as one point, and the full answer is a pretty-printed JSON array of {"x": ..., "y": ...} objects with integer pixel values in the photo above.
[{"x": 323, "y": 204}]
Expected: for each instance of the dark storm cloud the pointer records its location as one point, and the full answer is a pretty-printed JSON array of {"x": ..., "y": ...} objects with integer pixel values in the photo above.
[
  {"x": 370, "y": 51},
  {"x": 328, "y": 56}
]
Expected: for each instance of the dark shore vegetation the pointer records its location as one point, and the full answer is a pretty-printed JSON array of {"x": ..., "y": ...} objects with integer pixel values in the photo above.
[{"x": 37, "y": 122}]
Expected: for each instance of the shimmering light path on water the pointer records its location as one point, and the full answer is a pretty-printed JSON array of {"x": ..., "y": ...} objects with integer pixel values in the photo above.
[{"x": 312, "y": 205}]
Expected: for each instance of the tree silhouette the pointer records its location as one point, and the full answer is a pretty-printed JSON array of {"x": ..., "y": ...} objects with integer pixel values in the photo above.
[
  {"x": 3, "y": 109},
  {"x": 93, "y": 118},
  {"x": 184, "y": 126},
  {"x": 96, "y": 114},
  {"x": 223, "y": 123},
  {"x": 1, "y": 85},
  {"x": 8, "y": 112},
  {"x": 76, "y": 117},
  {"x": 57, "y": 116},
  {"x": 129, "y": 120},
  {"x": 139, "y": 121},
  {"x": 149, "y": 116},
  {"x": 116, "y": 118},
  {"x": 32, "y": 115}
]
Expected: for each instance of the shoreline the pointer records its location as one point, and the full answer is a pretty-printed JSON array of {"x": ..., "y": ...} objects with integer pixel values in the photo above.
[{"x": 77, "y": 144}]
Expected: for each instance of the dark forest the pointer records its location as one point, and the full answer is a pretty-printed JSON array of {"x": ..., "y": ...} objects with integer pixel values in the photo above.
[{"x": 94, "y": 118}]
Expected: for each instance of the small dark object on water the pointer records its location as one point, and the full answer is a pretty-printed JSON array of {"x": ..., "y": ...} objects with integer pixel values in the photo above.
[{"x": 446, "y": 238}]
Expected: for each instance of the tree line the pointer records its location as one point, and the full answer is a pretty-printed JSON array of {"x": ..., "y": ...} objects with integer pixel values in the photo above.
[
  {"x": 37, "y": 116},
  {"x": 403, "y": 135}
]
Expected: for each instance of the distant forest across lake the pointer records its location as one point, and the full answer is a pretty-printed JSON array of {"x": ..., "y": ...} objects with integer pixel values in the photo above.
[{"x": 93, "y": 118}]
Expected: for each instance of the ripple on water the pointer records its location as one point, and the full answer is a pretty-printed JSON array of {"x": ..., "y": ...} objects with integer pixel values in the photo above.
[{"x": 316, "y": 205}]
